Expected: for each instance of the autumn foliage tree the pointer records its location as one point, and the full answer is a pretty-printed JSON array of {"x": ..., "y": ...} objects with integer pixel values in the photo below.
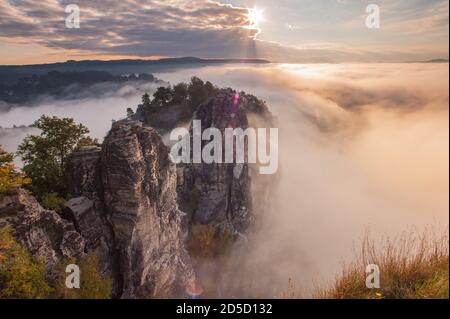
[
  {"x": 10, "y": 177},
  {"x": 22, "y": 276}
]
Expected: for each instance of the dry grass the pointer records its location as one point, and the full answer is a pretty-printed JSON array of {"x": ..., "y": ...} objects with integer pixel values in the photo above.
[{"x": 412, "y": 266}]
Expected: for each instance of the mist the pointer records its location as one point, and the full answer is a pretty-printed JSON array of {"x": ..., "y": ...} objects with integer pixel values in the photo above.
[
  {"x": 95, "y": 108},
  {"x": 362, "y": 146}
]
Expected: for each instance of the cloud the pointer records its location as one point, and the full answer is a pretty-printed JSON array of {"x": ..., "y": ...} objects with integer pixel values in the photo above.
[
  {"x": 433, "y": 21},
  {"x": 203, "y": 28},
  {"x": 129, "y": 27}
]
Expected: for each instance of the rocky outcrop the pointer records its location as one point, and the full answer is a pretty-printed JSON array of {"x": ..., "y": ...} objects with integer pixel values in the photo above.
[
  {"x": 83, "y": 177},
  {"x": 86, "y": 209},
  {"x": 123, "y": 206},
  {"x": 140, "y": 199},
  {"x": 124, "y": 202},
  {"x": 42, "y": 232},
  {"x": 218, "y": 193}
]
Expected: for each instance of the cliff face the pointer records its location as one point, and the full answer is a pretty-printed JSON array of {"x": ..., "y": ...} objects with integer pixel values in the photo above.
[
  {"x": 42, "y": 232},
  {"x": 139, "y": 187},
  {"x": 86, "y": 210},
  {"x": 124, "y": 204},
  {"x": 218, "y": 193}
]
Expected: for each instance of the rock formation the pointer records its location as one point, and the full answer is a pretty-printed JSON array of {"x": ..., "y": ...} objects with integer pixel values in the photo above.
[
  {"x": 124, "y": 203},
  {"x": 42, "y": 232},
  {"x": 85, "y": 209},
  {"x": 218, "y": 194}
]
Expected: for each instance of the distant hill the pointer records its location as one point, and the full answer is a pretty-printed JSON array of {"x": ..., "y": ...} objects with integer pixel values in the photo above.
[
  {"x": 93, "y": 63},
  {"x": 436, "y": 61},
  {"x": 430, "y": 61},
  {"x": 11, "y": 73},
  {"x": 66, "y": 85}
]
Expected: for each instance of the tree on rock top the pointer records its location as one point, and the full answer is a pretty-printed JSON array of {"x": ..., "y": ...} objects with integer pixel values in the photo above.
[{"x": 44, "y": 156}]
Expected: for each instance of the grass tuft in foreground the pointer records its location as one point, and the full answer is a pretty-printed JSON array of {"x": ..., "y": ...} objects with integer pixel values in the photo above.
[{"x": 411, "y": 267}]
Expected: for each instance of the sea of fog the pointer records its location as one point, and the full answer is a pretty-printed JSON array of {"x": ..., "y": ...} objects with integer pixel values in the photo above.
[{"x": 362, "y": 147}]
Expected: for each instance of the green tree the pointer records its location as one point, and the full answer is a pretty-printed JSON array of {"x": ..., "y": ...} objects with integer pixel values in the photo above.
[
  {"x": 210, "y": 88},
  {"x": 146, "y": 100},
  {"x": 21, "y": 275},
  {"x": 130, "y": 112},
  {"x": 45, "y": 155},
  {"x": 180, "y": 93},
  {"x": 163, "y": 96},
  {"x": 198, "y": 92},
  {"x": 92, "y": 284}
]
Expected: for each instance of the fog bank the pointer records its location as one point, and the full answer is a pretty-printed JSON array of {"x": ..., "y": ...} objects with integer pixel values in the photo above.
[{"x": 361, "y": 146}]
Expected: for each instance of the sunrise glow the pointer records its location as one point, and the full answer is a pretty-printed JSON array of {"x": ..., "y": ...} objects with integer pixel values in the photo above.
[{"x": 255, "y": 16}]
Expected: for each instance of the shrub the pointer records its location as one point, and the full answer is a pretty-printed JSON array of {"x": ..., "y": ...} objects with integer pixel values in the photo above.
[
  {"x": 207, "y": 241},
  {"x": 52, "y": 201},
  {"x": 410, "y": 267},
  {"x": 92, "y": 284},
  {"x": 21, "y": 275},
  {"x": 87, "y": 141}
]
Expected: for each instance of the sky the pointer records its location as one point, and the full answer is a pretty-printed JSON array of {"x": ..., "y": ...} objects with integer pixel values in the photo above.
[{"x": 283, "y": 31}]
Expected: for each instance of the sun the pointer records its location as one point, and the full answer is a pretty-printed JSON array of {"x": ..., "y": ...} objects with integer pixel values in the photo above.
[{"x": 255, "y": 16}]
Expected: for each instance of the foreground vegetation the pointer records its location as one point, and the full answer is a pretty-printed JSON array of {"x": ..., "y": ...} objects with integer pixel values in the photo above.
[
  {"x": 23, "y": 276},
  {"x": 10, "y": 177},
  {"x": 411, "y": 267}
]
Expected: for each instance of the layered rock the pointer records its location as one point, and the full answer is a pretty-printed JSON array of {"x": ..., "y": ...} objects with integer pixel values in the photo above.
[
  {"x": 124, "y": 202},
  {"x": 218, "y": 193},
  {"x": 83, "y": 176},
  {"x": 42, "y": 232},
  {"x": 140, "y": 198},
  {"x": 86, "y": 209}
]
